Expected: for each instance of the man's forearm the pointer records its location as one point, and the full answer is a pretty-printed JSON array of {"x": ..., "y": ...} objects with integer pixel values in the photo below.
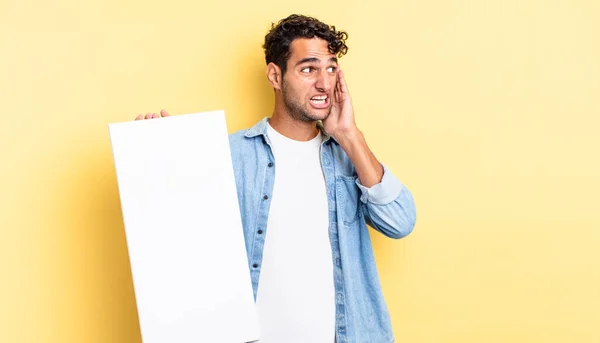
[{"x": 368, "y": 168}]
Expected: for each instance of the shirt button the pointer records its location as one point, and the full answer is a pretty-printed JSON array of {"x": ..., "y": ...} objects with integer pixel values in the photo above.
[
  {"x": 266, "y": 197},
  {"x": 255, "y": 265},
  {"x": 259, "y": 232},
  {"x": 270, "y": 164}
]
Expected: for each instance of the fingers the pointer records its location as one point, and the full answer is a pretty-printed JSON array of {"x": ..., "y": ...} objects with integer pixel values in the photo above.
[
  {"x": 163, "y": 113},
  {"x": 342, "y": 82},
  {"x": 339, "y": 94}
]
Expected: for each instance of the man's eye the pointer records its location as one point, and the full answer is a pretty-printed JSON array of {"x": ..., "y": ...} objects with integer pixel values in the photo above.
[
  {"x": 306, "y": 70},
  {"x": 331, "y": 69}
]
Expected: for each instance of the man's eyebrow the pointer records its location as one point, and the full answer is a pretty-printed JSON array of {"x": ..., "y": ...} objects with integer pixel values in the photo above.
[
  {"x": 314, "y": 59},
  {"x": 307, "y": 60}
]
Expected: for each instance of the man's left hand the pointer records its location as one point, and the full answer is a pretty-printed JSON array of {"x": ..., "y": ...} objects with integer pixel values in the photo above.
[{"x": 341, "y": 118}]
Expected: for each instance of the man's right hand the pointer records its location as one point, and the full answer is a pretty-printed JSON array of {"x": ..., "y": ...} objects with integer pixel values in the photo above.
[{"x": 163, "y": 113}]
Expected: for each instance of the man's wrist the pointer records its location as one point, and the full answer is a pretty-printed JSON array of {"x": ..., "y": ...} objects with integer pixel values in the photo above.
[{"x": 349, "y": 138}]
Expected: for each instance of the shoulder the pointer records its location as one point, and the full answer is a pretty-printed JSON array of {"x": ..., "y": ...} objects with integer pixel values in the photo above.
[
  {"x": 238, "y": 142},
  {"x": 237, "y": 137},
  {"x": 241, "y": 143}
]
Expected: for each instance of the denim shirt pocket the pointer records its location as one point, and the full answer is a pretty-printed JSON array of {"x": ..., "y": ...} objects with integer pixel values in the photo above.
[{"x": 348, "y": 195}]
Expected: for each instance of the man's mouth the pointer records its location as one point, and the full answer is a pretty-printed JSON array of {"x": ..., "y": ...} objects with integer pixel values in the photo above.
[{"x": 320, "y": 101}]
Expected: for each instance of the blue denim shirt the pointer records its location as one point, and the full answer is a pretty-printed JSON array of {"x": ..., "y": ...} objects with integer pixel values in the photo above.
[{"x": 361, "y": 312}]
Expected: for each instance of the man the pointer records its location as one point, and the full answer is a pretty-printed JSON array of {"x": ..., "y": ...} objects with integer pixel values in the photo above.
[{"x": 307, "y": 180}]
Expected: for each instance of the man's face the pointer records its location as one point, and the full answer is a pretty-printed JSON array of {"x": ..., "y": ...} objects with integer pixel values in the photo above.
[{"x": 309, "y": 80}]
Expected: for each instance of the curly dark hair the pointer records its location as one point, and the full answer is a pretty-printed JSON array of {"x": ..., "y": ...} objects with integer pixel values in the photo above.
[{"x": 280, "y": 37}]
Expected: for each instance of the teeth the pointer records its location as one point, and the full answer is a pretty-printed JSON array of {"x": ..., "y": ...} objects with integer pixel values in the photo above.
[{"x": 319, "y": 97}]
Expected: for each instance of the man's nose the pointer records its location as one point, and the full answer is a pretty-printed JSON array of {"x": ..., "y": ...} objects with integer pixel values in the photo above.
[{"x": 324, "y": 81}]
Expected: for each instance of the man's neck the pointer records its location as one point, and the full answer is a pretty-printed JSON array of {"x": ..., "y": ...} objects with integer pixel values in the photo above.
[{"x": 292, "y": 128}]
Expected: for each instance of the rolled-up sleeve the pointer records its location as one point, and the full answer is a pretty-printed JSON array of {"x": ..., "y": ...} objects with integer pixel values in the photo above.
[{"x": 388, "y": 206}]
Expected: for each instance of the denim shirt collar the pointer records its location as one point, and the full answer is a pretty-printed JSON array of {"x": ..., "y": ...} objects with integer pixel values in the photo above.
[{"x": 260, "y": 129}]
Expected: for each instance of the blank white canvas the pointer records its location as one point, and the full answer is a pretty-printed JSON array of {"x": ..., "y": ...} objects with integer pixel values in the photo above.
[{"x": 184, "y": 231}]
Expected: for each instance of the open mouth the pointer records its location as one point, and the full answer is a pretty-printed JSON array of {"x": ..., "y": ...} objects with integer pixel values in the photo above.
[{"x": 320, "y": 101}]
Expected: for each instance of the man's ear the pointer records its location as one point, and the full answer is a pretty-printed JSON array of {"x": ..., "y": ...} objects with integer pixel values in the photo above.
[{"x": 274, "y": 75}]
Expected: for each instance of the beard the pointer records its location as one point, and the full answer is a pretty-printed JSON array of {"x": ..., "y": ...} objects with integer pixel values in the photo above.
[{"x": 298, "y": 110}]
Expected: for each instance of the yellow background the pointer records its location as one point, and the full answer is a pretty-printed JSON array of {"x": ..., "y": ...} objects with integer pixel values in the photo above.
[{"x": 487, "y": 110}]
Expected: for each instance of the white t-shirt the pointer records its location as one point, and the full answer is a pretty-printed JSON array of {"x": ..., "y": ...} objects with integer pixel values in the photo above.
[{"x": 296, "y": 296}]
